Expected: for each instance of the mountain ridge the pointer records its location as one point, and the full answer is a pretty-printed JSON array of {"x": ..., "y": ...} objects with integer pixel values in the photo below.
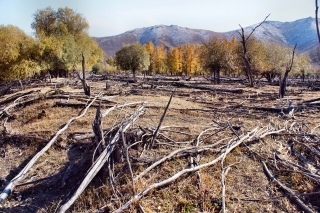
[{"x": 301, "y": 31}]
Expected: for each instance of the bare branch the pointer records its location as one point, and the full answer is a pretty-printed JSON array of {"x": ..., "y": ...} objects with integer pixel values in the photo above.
[
  {"x": 24, "y": 171},
  {"x": 256, "y": 27},
  {"x": 102, "y": 159},
  {"x": 287, "y": 190},
  {"x": 161, "y": 120}
]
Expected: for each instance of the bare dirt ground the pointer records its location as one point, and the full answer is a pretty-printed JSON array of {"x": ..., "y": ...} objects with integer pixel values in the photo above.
[{"x": 227, "y": 144}]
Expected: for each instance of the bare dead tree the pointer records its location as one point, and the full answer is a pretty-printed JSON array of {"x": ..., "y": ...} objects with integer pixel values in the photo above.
[
  {"x": 85, "y": 85},
  {"x": 283, "y": 82},
  {"x": 98, "y": 131},
  {"x": 244, "y": 41},
  {"x": 318, "y": 33}
]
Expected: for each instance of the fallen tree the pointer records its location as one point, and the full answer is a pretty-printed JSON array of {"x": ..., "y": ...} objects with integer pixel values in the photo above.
[
  {"x": 195, "y": 86},
  {"x": 102, "y": 159},
  {"x": 11, "y": 185}
]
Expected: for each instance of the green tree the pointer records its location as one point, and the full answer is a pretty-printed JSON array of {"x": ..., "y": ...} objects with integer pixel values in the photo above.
[
  {"x": 133, "y": 57},
  {"x": 257, "y": 57},
  {"x": 90, "y": 49},
  {"x": 65, "y": 21},
  {"x": 97, "y": 68},
  {"x": 111, "y": 65},
  {"x": 216, "y": 56},
  {"x": 110, "y": 60},
  {"x": 159, "y": 59},
  {"x": 190, "y": 58},
  {"x": 174, "y": 60},
  {"x": 151, "y": 50},
  {"x": 276, "y": 59},
  {"x": 63, "y": 35},
  {"x": 18, "y": 54},
  {"x": 302, "y": 65}
]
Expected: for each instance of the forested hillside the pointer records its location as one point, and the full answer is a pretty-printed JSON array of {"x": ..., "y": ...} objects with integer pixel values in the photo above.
[{"x": 301, "y": 31}]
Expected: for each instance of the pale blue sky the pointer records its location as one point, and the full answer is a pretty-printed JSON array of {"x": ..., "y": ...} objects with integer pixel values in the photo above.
[{"x": 113, "y": 17}]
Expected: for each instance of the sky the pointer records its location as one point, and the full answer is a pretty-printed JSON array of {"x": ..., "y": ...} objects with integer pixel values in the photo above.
[{"x": 113, "y": 17}]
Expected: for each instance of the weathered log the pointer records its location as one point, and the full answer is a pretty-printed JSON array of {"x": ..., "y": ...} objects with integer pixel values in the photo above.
[
  {"x": 171, "y": 179},
  {"x": 311, "y": 100},
  {"x": 18, "y": 103},
  {"x": 101, "y": 160},
  {"x": 123, "y": 79},
  {"x": 17, "y": 95},
  {"x": 81, "y": 98},
  {"x": 162, "y": 78},
  {"x": 304, "y": 207},
  {"x": 194, "y": 86},
  {"x": 24, "y": 171},
  {"x": 285, "y": 110},
  {"x": 74, "y": 105}
]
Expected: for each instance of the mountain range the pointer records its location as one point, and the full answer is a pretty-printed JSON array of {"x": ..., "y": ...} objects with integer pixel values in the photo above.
[{"x": 301, "y": 32}]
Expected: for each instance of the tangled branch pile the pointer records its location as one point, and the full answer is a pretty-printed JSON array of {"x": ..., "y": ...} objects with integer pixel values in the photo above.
[{"x": 206, "y": 151}]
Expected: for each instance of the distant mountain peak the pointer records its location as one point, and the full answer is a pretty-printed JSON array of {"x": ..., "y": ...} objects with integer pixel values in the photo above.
[{"x": 301, "y": 31}]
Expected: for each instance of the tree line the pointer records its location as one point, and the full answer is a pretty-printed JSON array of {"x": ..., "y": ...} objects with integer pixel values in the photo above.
[
  {"x": 60, "y": 39},
  {"x": 215, "y": 56},
  {"x": 61, "y": 43}
]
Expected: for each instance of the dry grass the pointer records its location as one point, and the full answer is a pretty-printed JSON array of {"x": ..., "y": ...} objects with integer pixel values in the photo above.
[{"x": 247, "y": 187}]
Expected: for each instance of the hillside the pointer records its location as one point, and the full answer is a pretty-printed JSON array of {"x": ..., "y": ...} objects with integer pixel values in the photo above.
[
  {"x": 302, "y": 32},
  {"x": 169, "y": 36}
]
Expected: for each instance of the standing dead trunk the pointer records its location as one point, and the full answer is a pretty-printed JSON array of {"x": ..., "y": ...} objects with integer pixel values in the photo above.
[
  {"x": 99, "y": 139},
  {"x": 98, "y": 132},
  {"x": 218, "y": 75},
  {"x": 245, "y": 58},
  {"x": 283, "y": 82},
  {"x": 134, "y": 74},
  {"x": 86, "y": 87},
  {"x": 318, "y": 33},
  {"x": 244, "y": 41}
]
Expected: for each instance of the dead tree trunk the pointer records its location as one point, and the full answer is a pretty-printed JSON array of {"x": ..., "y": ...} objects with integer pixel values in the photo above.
[
  {"x": 86, "y": 87},
  {"x": 244, "y": 41},
  {"x": 245, "y": 58},
  {"x": 22, "y": 174},
  {"x": 99, "y": 139},
  {"x": 318, "y": 33},
  {"x": 214, "y": 76},
  {"x": 134, "y": 74},
  {"x": 283, "y": 82},
  {"x": 98, "y": 131}
]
